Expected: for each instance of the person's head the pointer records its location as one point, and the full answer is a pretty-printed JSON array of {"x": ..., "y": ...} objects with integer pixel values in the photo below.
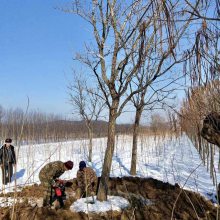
[
  {"x": 8, "y": 141},
  {"x": 82, "y": 165},
  {"x": 69, "y": 165}
]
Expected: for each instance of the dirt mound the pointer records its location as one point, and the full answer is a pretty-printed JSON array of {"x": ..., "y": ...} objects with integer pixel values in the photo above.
[
  {"x": 33, "y": 190},
  {"x": 149, "y": 198}
]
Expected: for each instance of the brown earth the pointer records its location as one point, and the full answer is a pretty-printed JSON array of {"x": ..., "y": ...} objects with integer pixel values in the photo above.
[{"x": 165, "y": 199}]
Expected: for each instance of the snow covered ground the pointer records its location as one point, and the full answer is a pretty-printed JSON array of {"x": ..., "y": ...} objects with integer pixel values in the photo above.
[
  {"x": 170, "y": 160},
  {"x": 114, "y": 203}
]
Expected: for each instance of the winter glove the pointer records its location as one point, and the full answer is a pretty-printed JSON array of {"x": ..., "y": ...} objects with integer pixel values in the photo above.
[{"x": 68, "y": 184}]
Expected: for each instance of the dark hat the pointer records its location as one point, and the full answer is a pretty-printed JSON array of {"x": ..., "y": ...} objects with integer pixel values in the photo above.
[
  {"x": 82, "y": 164},
  {"x": 69, "y": 165},
  {"x": 8, "y": 140}
]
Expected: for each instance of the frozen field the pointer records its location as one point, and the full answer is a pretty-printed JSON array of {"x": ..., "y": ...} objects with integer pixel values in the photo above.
[{"x": 169, "y": 160}]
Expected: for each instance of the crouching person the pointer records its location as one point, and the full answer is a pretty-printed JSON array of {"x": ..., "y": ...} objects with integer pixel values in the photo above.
[
  {"x": 86, "y": 181},
  {"x": 48, "y": 174}
]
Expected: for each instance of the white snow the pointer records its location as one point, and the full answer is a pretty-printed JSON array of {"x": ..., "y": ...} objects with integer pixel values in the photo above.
[
  {"x": 114, "y": 203},
  {"x": 9, "y": 201},
  {"x": 173, "y": 160}
]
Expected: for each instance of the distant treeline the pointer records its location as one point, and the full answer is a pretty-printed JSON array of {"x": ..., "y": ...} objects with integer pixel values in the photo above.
[{"x": 38, "y": 127}]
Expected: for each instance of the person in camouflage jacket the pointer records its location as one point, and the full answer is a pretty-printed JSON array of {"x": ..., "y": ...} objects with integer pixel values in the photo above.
[
  {"x": 49, "y": 173},
  {"x": 86, "y": 181}
]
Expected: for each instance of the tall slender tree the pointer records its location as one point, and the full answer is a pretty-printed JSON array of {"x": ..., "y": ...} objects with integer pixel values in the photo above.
[
  {"x": 87, "y": 105},
  {"x": 123, "y": 31}
]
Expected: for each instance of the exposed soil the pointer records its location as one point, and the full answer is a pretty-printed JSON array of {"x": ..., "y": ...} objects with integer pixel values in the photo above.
[{"x": 163, "y": 196}]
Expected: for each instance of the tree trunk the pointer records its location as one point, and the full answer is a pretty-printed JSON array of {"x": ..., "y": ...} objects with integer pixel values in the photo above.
[
  {"x": 199, "y": 140},
  {"x": 90, "y": 143},
  {"x": 219, "y": 159},
  {"x": 133, "y": 169},
  {"x": 212, "y": 164},
  {"x": 103, "y": 185}
]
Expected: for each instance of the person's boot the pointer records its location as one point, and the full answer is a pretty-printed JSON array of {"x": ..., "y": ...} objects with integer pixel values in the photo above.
[{"x": 45, "y": 202}]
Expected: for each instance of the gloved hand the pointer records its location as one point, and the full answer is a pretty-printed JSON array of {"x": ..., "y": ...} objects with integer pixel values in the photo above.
[
  {"x": 52, "y": 182},
  {"x": 68, "y": 184},
  {"x": 56, "y": 182}
]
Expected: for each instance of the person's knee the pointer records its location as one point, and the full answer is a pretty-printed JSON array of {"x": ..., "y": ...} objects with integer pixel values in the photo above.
[{"x": 78, "y": 193}]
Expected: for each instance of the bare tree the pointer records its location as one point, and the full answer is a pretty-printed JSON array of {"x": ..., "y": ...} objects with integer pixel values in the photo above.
[
  {"x": 87, "y": 105},
  {"x": 158, "y": 90},
  {"x": 203, "y": 65},
  {"x": 120, "y": 48},
  {"x": 1, "y": 121},
  {"x": 157, "y": 122},
  {"x": 203, "y": 69},
  {"x": 201, "y": 103}
]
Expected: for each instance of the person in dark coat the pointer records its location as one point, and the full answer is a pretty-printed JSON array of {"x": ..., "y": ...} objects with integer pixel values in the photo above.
[{"x": 7, "y": 161}]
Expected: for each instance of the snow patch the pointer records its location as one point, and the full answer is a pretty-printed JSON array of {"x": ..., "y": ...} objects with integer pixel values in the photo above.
[
  {"x": 9, "y": 201},
  {"x": 114, "y": 203}
]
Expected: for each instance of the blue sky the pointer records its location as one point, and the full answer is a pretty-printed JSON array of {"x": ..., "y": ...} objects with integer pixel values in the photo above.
[{"x": 37, "y": 44}]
